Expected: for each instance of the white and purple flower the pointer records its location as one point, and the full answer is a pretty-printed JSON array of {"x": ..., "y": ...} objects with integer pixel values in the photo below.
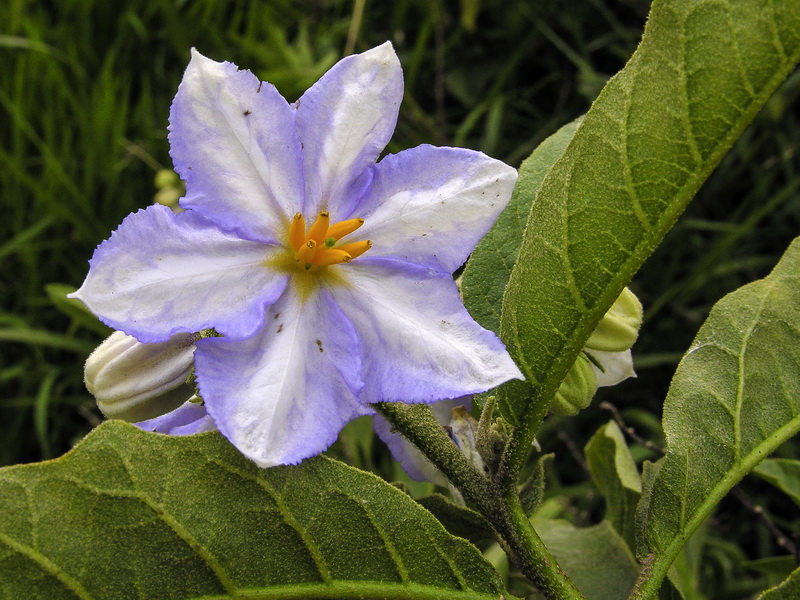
[{"x": 327, "y": 276}]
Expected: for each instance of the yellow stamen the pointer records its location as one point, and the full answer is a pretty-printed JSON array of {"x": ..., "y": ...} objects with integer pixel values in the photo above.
[
  {"x": 297, "y": 232},
  {"x": 331, "y": 256},
  {"x": 356, "y": 249},
  {"x": 343, "y": 228},
  {"x": 319, "y": 229},
  {"x": 307, "y": 253},
  {"x": 317, "y": 247}
]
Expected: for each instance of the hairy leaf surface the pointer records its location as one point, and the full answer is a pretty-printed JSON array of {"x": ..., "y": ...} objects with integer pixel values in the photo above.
[
  {"x": 734, "y": 398},
  {"x": 596, "y": 558},
  {"x": 129, "y": 514},
  {"x": 788, "y": 590}
]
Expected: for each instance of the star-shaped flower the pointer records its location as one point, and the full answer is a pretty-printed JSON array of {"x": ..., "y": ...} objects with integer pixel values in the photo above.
[{"x": 328, "y": 277}]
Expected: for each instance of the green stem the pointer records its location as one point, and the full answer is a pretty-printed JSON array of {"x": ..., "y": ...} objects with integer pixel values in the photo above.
[
  {"x": 418, "y": 425},
  {"x": 503, "y": 510},
  {"x": 522, "y": 437}
]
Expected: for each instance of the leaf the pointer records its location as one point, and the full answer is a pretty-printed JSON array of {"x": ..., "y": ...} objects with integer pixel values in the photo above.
[
  {"x": 130, "y": 514},
  {"x": 489, "y": 266},
  {"x": 701, "y": 73},
  {"x": 773, "y": 569},
  {"x": 458, "y": 520},
  {"x": 596, "y": 558},
  {"x": 784, "y": 474},
  {"x": 734, "y": 398},
  {"x": 788, "y": 590},
  {"x": 615, "y": 475},
  {"x": 531, "y": 493}
]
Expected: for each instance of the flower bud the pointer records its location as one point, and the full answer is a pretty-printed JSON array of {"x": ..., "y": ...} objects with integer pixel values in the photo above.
[
  {"x": 577, "y": 389},
  {"x": 619, "y": 327},
  {"x": 170, "y": 189},
  {"x": 135, "y": 381}
]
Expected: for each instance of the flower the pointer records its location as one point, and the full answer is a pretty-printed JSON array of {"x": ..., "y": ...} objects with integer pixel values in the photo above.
[{"x": 327, "y": 276}]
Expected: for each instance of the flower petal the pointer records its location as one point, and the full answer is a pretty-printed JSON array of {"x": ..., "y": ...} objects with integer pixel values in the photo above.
[
  {"x": 189, "y": 418},
  {"x": 161, "y": 273},
  {"x": 345, "y": 121},
  {"x": 232, "y": 138},
  {"x": 284, "y": 394},
  {"x": 617, "y": 366},
  {"x": 431, "y": 206},
  {"x": 418, "y": 343}
]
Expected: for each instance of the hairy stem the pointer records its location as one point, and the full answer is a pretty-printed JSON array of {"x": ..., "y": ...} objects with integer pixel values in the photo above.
[{"x": 500, "y": 507}]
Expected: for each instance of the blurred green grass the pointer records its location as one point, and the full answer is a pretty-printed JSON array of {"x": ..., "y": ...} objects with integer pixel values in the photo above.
[{"x": 85, "y": 89}]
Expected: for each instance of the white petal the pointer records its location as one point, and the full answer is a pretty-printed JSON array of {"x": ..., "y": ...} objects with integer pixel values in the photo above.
[
  {"x": 344, "y": 121},
  {"x": 161, "y": 273},
  {"x": 233, "y": 140},
  {"x": 284, "y": 394},
  {"x": 617, "y": 366},
  {"x": 431, "y": 206},
  {"x": 418, "y": 343}
]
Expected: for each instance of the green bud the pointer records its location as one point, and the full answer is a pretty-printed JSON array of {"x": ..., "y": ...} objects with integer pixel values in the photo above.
[
  {"x": 170, "y": 189},
  {"x": 168, "y": 197},
  {"x": 619, "y": 327},
  {"x": 135, "y": 381},
  {"x": 577, "y": 389},
  {"x": 166, "y": 178}
]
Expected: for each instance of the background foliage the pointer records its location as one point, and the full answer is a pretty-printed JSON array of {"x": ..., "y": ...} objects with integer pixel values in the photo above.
[{"x": 85, "y": 88}]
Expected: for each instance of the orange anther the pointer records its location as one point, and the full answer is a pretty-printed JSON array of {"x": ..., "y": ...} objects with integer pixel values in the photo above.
[
  {"x": 319, "y": 229},
  {"x": 343, "y": 228},
  {"x": 356, "y": 249},
  {"x": 331, "y": 256},
  {"x": 297, "y": 232},
  {"x": 307, "y": 252}
]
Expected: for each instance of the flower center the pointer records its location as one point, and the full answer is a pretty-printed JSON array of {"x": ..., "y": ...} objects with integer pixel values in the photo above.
[{"x": 319, "y": 246}]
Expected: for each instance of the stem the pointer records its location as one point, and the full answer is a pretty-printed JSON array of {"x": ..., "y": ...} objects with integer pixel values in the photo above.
[
  {"x": 503, "y": 510},
  {"x": 418, "y": 425},
  {"x": 522, "y": 437}
]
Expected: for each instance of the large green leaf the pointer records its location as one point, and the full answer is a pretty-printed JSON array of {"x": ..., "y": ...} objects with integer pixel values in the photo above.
[
  {"x": 701, "y": 73},
  {"x": 129, "y": 514},
  {"x": 734, "y": 398}
]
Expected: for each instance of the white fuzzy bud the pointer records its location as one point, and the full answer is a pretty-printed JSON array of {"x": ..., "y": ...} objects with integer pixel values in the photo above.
[{"x": 135, "y": 381}]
